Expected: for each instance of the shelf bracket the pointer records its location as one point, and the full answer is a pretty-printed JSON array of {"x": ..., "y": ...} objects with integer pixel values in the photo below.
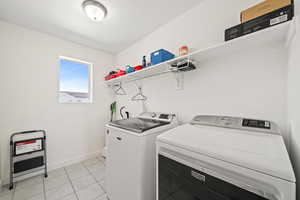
[
  {"x": 179, "y": 80},
  {"x": 181, "y": 66}
]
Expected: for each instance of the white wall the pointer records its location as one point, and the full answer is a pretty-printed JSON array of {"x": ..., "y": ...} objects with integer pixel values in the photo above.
[
  {"x": 199, "y": 27},
  {"x": 29, "y": 95},
  {"x": 250, "y": 83},
  {"x": 293, "y": 96}
]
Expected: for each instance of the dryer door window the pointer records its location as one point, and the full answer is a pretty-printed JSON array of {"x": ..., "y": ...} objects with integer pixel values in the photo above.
[{"x": 180, "y": 182}]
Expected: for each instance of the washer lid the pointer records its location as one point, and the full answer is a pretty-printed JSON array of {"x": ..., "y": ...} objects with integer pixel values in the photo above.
[
  {"x": 138, "y": 125},
  {"x": 265, "y": 153}
]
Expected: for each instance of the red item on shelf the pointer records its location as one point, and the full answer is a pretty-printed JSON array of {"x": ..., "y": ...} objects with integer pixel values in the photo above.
[
  {"x": 114, "y": 76},
  {"x": 139, "y": 67},
  {"x": 183, "y": 51},
  {"x": 107, "y": 78},
  {"x": 121, "y": 73},
  {"x": 110, "y": 76}
]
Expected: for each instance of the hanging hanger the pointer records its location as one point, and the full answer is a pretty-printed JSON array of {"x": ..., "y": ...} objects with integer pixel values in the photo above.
[
  {"x": 139, "y": 96},
  {"x": 119, "y": 90}
]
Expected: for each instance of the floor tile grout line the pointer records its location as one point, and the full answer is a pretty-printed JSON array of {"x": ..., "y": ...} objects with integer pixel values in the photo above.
[
  {"x": 15, "y": 186},
  {"x": 91, "y": 174},
  {"x": 77, "y": 178},
  {"x": 103, "y": 161},
  {"x": 99, "y": 196},
  {"x": 71, "y": 183},
  {"x": 70, "y": 180},
  {"x": 95, "y": 178}
]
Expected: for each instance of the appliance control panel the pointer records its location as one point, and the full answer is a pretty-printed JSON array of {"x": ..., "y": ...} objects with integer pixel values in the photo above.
[
  {"x": 236, "y": 123},
  {"x": 256, "y": 123},
  {"x": 164, "y": 116},
  {"x": 158, "y": 116}
]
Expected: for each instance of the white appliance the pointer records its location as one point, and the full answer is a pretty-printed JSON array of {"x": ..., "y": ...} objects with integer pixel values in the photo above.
[
  {"x": 130, "y": 168},
  {"x": 224, "y": 158}
]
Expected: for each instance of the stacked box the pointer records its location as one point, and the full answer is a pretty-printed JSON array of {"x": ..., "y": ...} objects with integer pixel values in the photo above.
[
  {"x": 271, "y": 19},
  {"x": 263, "y": 8}
]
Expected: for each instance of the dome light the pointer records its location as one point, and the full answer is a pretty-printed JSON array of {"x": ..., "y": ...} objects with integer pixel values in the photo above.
[{"x": 94, "y": 10}]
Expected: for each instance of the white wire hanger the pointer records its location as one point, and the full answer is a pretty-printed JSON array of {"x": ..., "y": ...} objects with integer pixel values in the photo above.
[
  {"x": 139, "y": 96},
  {"x": 119, "y": 90}
]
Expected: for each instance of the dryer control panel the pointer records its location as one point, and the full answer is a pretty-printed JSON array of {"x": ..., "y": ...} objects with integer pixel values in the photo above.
[{"x": 236, "y": 123}]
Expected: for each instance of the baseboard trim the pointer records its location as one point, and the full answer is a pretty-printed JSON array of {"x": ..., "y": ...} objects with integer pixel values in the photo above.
[
  {"x": 72, "y": 161},
  {"x": 57, "y": 165}
]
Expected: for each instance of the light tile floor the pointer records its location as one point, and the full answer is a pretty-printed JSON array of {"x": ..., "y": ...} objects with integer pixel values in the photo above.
[{"x": 82, "y": 181}]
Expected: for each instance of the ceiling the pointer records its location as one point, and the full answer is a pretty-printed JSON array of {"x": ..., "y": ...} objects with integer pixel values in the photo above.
[{"x": 127, "y": 20}]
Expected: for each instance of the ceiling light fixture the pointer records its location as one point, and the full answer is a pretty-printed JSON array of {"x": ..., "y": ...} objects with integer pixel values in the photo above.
[{"x": 94, "y": 10}]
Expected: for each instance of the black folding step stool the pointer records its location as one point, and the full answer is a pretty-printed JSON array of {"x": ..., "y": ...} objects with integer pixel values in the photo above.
[{"x": 27, "y": 155}]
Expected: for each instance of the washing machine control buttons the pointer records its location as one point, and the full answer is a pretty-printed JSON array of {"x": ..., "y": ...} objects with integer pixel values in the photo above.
[
  {"x": 158, "y": 116},
  {"x": 226, "y": 121},
  {"x": 256, "y": 123},
  {"x": 163, "y": 116},
  {"x": 153, "y": 115}
]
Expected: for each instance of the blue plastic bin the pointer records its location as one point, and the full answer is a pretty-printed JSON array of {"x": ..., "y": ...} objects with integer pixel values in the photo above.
[{"x": 161, "y": 56}]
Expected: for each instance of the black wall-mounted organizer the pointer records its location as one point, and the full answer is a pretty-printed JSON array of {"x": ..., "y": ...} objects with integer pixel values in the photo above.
[{"x": 27, "y": 155}]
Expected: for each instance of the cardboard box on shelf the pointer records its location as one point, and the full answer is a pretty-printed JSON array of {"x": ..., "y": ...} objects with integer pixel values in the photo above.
[
  {"x": 263, "y": 8},
  {"x": 271, "y": 19}
]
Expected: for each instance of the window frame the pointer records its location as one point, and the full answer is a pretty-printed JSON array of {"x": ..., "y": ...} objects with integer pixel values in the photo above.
[{"x": 90, "y": 65}]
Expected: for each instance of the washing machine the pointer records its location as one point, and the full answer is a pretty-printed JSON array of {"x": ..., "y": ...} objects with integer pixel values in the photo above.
[
  {"x": 224, "y": 158},
  {"x": 130, "y": 161}
]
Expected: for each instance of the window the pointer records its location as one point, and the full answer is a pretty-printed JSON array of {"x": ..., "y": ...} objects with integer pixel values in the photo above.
[{"x": 75, "y": 78}]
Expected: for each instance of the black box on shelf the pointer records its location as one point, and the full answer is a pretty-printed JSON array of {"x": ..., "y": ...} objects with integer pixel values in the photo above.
[
  {"x": 271, "y": 19},
  {"x": 234, "y": 32},
  {"x": 276, "y": 17}
]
